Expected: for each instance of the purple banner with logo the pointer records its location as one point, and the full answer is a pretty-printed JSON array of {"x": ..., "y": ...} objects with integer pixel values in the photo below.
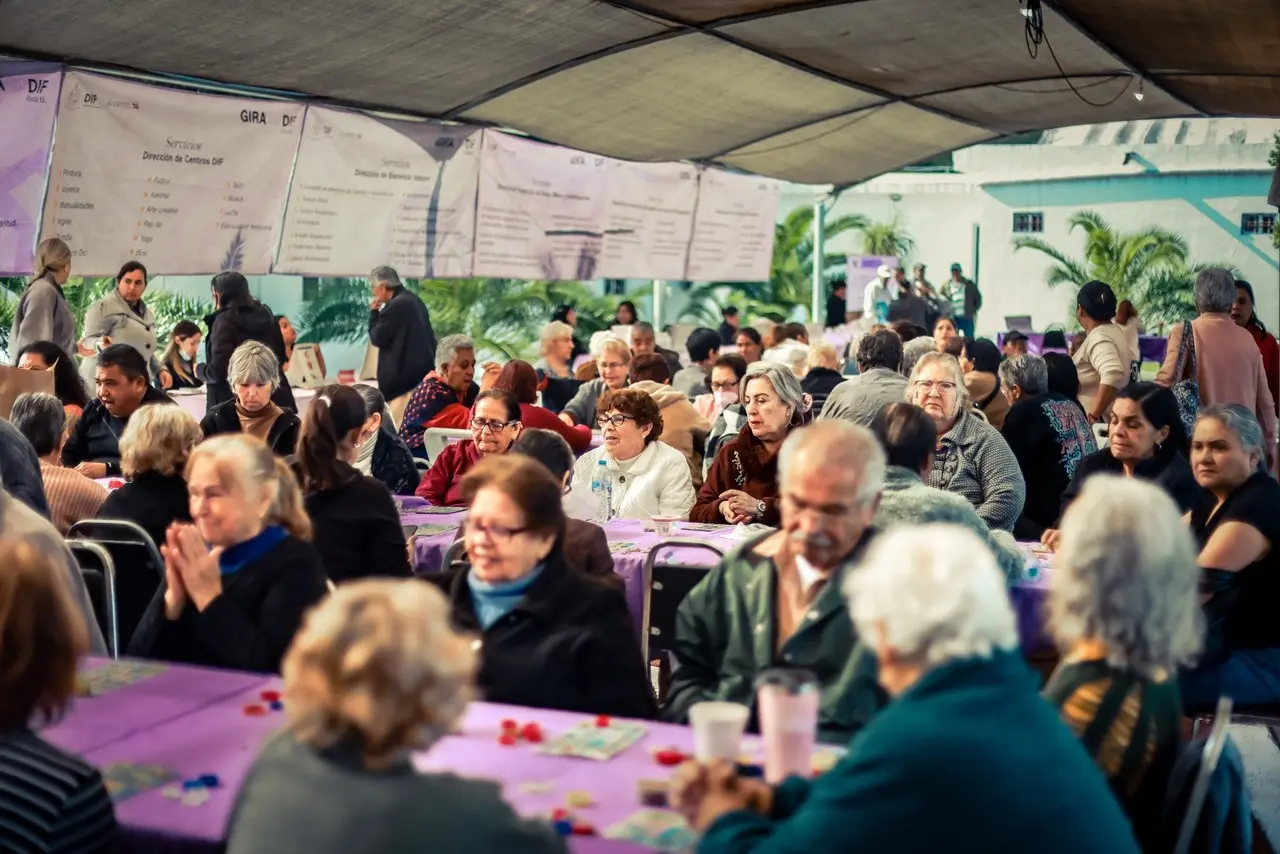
[{"x": 28, "y": 105}]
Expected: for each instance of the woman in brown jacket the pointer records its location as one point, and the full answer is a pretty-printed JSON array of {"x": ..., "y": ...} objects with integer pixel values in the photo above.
[
  {"x": 683, "y": 427},
  {"x": 980, "y": 361},
  {"x": 742, "y": 485}
]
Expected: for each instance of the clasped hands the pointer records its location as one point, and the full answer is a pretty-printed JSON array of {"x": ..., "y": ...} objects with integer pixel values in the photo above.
[
  {"x": 704, "y": 792},
  {"x": 737, "y": 506},
  {"x": 191, "y": 570}
]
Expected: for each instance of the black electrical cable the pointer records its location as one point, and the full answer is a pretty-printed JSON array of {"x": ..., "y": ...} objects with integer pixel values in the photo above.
[{"x": 1034, "y": 34}]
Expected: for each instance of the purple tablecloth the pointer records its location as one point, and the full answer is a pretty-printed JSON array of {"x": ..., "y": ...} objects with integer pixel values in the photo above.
[
  {"x": 429, "y": 550},
  {"x": 1151, "y": 348},
  {"x": 138, "y": 708}
]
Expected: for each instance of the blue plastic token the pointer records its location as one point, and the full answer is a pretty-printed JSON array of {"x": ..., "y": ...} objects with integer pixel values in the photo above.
[
  {"x": 564, "y": 828},
  {"x": 194, "y": 783},
  {"x": 210, "y": 781},
  {"x": 277, "y": 706}
]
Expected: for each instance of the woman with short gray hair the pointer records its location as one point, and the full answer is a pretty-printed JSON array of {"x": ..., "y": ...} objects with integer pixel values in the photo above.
[
  {"x": 1219, "y": 356},
  {"x": 1048, "y": 435},
  {"x": 972, "y": 459},
  {"x": 1237, "y": 527},
  {"x": 72, "y": 496},
  {"x": 444, "y": 397},
  {"x": 1125, "y": 614},
  {"x": 254, "y": 375},
  {"x": 742, "y": 484}
]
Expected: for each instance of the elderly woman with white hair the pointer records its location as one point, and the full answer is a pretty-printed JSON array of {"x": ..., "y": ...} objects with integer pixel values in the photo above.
[
  {"x": 971, "y": 459},
  {"x": 1124, "y": 612},
  {"x": 742, "y": 483},
  {"x": 444, "y": 397},
  {"x": 556, "y": 360},
  {"x": 1221, "y": 357},
  {"x": 375, "y": 674},
  {"x": 254, "y": 375},
  {"x": 822, "y": 373},
  {"x": 237, "y": 580},
  {"x": 966, "y": 758},
  {"x": 613, "y": 363},
  {"x": 1237, "y": 527}
]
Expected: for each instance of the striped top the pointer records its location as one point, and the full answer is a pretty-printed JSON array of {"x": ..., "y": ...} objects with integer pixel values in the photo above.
[
  {"x": 72, "y": 496},
  {"x": 51, "y": 802}
]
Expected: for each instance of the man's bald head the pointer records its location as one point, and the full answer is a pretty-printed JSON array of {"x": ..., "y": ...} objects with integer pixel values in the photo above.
[{"x": 838, "y": 446}]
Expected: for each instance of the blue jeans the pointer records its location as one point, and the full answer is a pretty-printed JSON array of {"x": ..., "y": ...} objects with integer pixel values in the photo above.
[
  {"x": 1250, "y": 677},
  {"x": 964, "y": 326}
]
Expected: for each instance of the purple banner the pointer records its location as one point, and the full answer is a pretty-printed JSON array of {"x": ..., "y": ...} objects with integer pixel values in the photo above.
[{"x": 28, "y": 105}]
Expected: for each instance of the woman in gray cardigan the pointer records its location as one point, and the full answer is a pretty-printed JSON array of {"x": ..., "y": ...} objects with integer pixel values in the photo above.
[
  {"x": 971, "y": 458},
  {"x": 43, "y": 313},
  {"x": 121, "y": 317},
  {"x": 375, "y": 673}
]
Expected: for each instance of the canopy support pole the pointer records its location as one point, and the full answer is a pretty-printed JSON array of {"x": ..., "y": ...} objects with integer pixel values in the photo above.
[{"x": 819, "y": 252}]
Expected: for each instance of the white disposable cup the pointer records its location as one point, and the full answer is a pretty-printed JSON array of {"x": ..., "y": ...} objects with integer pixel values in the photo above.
[
  {"x": 717, "y": 729},
  {"x": 664, "y": 525}
]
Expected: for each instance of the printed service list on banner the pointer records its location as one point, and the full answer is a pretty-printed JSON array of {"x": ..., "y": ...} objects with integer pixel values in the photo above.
[
  {"x": 184, "y": 183},
  {"x": 370, "y": 191}
]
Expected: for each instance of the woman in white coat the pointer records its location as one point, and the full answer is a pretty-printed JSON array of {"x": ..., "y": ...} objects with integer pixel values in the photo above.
[
  {"x": 121, "y": 317},
  {"x": 649, "y": 477}
]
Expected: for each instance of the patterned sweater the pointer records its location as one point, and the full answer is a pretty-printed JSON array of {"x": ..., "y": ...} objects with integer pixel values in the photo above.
[
  {"x": 72, "y": 496},
  {"x": 974, "y": 461}
]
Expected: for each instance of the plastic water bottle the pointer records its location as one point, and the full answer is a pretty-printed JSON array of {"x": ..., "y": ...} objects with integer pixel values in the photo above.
[{"x": 602, "y": 489}]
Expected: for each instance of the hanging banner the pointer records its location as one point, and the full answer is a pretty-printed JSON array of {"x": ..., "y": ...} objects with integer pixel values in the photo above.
[
  {"x": 650, "y": 220},
  {"x": 28, "y": 105},
  {"x": 369, "y": 191},
  {"x": 184, "y": 183},
  {"x": 541, "y": 212},
  {"x": 733, "y": 230}
]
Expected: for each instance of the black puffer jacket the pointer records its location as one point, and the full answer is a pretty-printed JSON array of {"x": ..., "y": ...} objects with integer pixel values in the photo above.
[
  {"x": 228, "y": 329},
  {"x": 393, "y": 464}
]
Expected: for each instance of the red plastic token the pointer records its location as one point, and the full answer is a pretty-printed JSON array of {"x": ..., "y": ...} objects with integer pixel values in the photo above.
[
  {"x": 508, "y": 725},
  {"x": 602, "y": 721},
  {"x": 581, "y": 828},
  {"x": 270, "y": 696},
  {"x": 531, "y": 733},
  {"x": 559, "y": 814},
  {"x": 115, "y": 484},
  {"x": 507, "y": 739},
  {"x": 255, "y": 710},
  {"x": 670, "y": 756}
]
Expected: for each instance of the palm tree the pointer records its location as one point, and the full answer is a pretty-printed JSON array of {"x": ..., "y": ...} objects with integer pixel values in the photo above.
[
  {"x": 887, "y": 239},
  {"x": 790, "y": 281},
  {"x": 1274, "y": 160},
  {"x": 1165, "y": 296},
  {"x": 1122, "y": 260},
  {"x": 504, "y": 316}
]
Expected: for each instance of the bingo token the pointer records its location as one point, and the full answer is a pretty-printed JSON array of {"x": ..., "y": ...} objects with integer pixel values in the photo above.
[
  {"x": 579, "y": 799},
  {"x": 210, "y": 781},
  {"x": 270, "y": 696},
  {"x": 507, "y": 739},
  {"x": 255, "y": 710},
  {"x": 508, "y": 725},
  {"x": 564, "y": 828},
  {"x": 582, "y": 828},
  {"x": 602, "y": 721},
  {"x": 531, "y": 733},
  {"x": 277, "y": 706}
]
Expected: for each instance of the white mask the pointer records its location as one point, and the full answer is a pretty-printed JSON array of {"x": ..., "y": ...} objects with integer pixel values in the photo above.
[{"x": 724, "y": 398}]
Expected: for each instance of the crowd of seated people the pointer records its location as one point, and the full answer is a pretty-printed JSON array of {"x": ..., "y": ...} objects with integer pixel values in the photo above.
[{"x": 882, "y": 565}]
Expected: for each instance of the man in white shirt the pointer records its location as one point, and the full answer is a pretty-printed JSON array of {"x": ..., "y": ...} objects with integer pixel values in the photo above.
[{"x": 877, "y": 296}]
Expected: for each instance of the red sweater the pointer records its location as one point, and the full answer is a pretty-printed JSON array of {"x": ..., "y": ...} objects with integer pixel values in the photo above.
[
  {"x": 1270, "y": 351},
  {"x": 579, "y": 437},
  {"x": 442, "y": 484}
]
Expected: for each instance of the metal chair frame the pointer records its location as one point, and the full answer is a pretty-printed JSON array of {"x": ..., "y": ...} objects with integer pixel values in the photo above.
[
  {"x": 80, "y": 548},
  {"x": 647, "y": 580},
  {"x": 1213, "y": 747}
]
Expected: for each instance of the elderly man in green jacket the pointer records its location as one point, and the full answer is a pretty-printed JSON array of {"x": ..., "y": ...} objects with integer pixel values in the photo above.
[{"x": 776, "y": 601}]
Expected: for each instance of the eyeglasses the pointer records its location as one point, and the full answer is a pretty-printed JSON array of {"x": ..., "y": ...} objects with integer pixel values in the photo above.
[
  {"x": 480, "y": 425},
  {"x": 615, "y": 420},
  {"x": 500, "y": 534},
  {"x": 610, "y": 366},
  {"x": 943, "y": 387},
  {"x": 728, "y": 385}
]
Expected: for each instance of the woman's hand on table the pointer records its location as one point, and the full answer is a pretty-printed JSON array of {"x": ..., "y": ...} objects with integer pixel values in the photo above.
[
  {"x": 1051, "y": 538},
  {"x": 93, "y": 471},
  {"x": 195, "y": 563},
  {"x": 703, "y": 793},
  {"x": 736, "y": 506}
]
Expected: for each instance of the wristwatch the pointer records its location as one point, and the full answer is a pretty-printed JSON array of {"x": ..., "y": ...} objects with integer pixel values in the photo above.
[{"x": 760, "y": 508}]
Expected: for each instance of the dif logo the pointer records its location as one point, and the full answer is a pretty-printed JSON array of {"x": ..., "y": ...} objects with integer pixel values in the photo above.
[{"x": 256, "y": 117}]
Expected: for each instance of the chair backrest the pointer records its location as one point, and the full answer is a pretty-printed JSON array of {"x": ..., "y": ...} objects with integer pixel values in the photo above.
[
  {"x": 665, "y": 587},
  {"x": 1101, "y": 433},
  {"x": 434, "y": 439},
  {"x": 138, "y": 566},
  {"x": 99, "y": 573},
  {"x": 558, "y": 392},
  {"x": 1206, "y": 805}
]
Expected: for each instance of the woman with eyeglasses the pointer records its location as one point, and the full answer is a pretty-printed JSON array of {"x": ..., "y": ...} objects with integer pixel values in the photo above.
[
  {"x": 495, "y": 424},
  {"x": 549, "y": 637},
  {"x": 650, "y": 478},
  {"x": 971, "y": 459}
]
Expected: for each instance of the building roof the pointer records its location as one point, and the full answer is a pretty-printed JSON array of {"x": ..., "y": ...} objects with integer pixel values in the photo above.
[{"x": 808, "y": 90}]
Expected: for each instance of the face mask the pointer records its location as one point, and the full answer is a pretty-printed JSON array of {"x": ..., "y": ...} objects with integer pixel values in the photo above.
[{"x": 724, "y": 398}]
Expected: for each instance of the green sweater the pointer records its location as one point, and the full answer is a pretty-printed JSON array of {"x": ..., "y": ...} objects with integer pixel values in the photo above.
[{"x": 969, "y": 760}]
